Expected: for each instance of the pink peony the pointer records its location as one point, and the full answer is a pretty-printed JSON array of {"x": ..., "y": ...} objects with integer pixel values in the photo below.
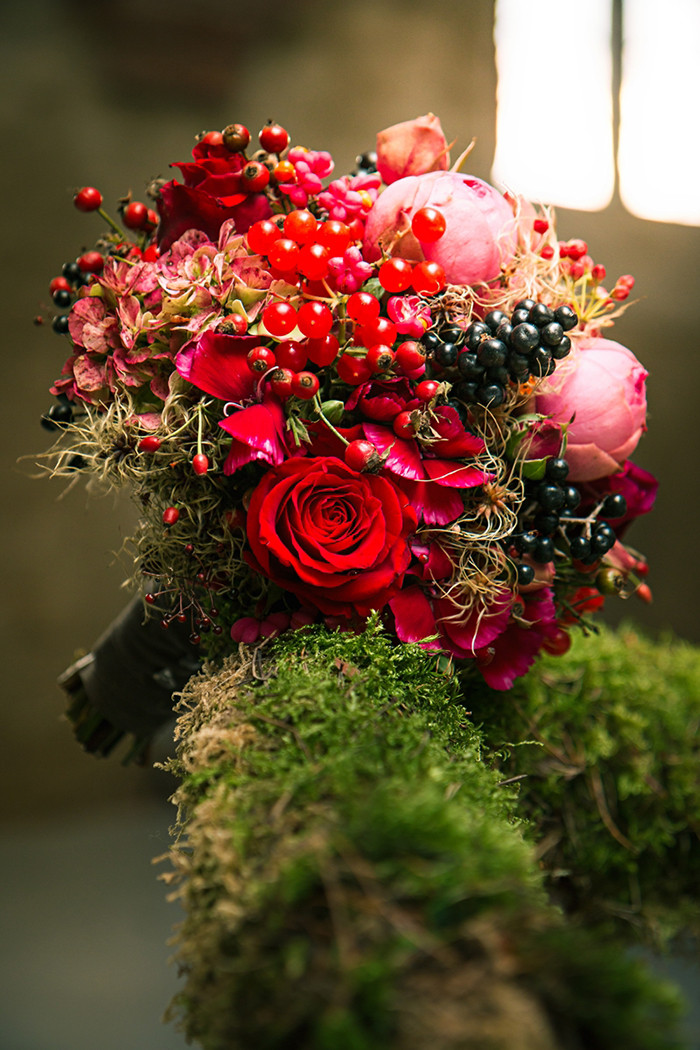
[
  {"x": 412, "y": 148},
  {"x": 600, "y": 388},
  {"x": 479, "y": 238}
]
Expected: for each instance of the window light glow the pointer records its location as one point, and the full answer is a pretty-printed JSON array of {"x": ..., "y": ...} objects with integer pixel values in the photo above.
[
  {"x": 554, "y": 115},
  {"x": 659, "y": 152}
]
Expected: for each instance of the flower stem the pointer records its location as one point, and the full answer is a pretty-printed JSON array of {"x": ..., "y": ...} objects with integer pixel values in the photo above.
[{"x": 319, "y": 409}]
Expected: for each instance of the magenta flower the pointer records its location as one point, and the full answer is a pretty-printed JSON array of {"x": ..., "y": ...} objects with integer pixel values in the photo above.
[
  {"x": 512, "y": 652},
  {"x": 410, "y": 314},
  {"x": 257, "y": 432}
]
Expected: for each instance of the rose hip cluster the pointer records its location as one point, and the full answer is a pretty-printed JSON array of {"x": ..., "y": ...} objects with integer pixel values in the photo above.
[{"x": 386, "y": 391}]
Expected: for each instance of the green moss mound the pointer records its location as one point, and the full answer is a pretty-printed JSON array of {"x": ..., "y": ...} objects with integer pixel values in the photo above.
[
  {"x": 356, "y": 874},
  {"x": 611, "y": 781}
]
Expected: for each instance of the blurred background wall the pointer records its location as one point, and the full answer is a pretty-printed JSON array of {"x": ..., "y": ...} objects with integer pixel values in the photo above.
[{"x": 108, "y": 94}]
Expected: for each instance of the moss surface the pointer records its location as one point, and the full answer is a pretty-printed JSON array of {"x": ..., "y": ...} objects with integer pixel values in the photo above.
[{"x": 355, "y": 873}]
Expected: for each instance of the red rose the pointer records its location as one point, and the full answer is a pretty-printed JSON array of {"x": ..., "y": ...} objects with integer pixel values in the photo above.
[
  {"x": 211, "y": 194},
  {"x": 336, "y": 538}
]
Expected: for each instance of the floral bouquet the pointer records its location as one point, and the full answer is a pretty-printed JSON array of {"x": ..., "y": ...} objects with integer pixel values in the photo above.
[{"x": 391, "y": 392}]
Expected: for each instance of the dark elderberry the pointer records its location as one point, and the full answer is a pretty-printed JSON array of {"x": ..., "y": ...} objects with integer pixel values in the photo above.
[
  {"x": 491, "y": 394},
  {"x": 72, "y": 272},
  {"x": 519, "y": 365},
  {"x": 498, "y": 374},
  {"x": 552, "y": 334},
  {"x": 525, "y": 542},
  {"x": 452, "y": 333},
  {"x": 526, "y": 574},
  {"x": 460, "y": 410},
  {"x": 550, "y": 496},
  {"x": 59, "y": 413},
  {"x": 557, "y": 469},
  {"x": 544, "y": 550},
  {"x": 602, "y": 539},
  {"x": 467, "y": 391},
  {"x": 446, "y": 354},
  {"x": 524, "y": 337},
  {"x": 546, "y": 523},
  {"x": 431, "y": 340},
  {"x": 519, "y": 317},
  {"x": 469, "y": 365},
  {"x": 60, "y": 324},
  {"x": 580, "y": 548},
  {"x": 494, "y": 319},
  {"x": 566, "y": 317},
  {"x": 62, "y": 297},
  {"x": 540, "y": 361},
  {"x": 541, "y": 315},
  {"x": 560, "y": 352},
  {"x": 525, "y": 304},
  {"x": 504, "y": 331},
  {"x": 614, "y": 506},
  {"x": 492, "y": 352},
  {"x": 475, "y": 333},
  {"x": 572, "y": 497}
]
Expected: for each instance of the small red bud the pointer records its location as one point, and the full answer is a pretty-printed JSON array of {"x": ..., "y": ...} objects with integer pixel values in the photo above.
[
  {"x": 200, "y": 464},
  {"x": 170, "y": 516}
]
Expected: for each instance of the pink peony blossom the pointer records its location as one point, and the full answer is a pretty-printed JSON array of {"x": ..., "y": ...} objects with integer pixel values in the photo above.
[
  {"x": 479, "y": 238},
  {"x": 412, "y": 148},
  {"x": 600, "y": 391}
]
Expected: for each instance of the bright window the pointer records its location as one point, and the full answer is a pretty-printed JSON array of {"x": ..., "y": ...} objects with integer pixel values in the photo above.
[{"x": 554, "y": 126}]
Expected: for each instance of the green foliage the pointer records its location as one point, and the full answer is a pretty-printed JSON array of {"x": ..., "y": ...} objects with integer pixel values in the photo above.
[
  {"x": 611, "y": 782},
  {"x": 355, "y": 876}
]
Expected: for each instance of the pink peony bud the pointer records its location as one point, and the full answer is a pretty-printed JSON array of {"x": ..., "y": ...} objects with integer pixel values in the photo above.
[
  {"x": 600, "y": 388},
  {"x": 479, "y": 237},
  {"x": 412, "y": 148}
]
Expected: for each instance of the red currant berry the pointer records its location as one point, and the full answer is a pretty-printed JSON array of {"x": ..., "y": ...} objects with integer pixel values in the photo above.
[
  {"x": 273, "y": 138},
  {"x": 300, "y": 225},
  {"x": 557, "y": 643},
  {"x": 254, "y": 177},
  {"x": 409, "y": 356},
  {"x": 380, "y": 330},
  {"x": 150, "y": 443},
  {"x": 395, "y": 275},
  {"x": 427, "y": 390},
  {"x": 261, "y": 359},
  {"x": 279, "y": 318},
  {"x": 353, "y": 370},
  {"x": 428, "y": 225},
  {"x": 281, "y": 382},
  {"x": 305, "y": 385},
  {"x": 284, "y": 254},
  {"x": 88, "y": 199},
  {"x": 262, "y": 235},
  {"x": 135, "y": 215},
  {"x": 200, "y": 464},
  {"x": 59, "y": 284},
  {"x": 291, "y": 355},
  {"x": 170, "y": 516},
  {"x": 403, "y": 425},
  {"x": 428, "y": 278},
  {"x": 362, "y": 307},
  {"x": 235, "y": 137},
  {"x": 313, "y": 261},
  {"x": 334, "y": 235},
  {"x": 91, "y": 262},
  {"x": 380, "y": 357},
  {"x": 314, "y": 320},
  {"x": 360, "y": 454},
  {"x": 322, "y": 352}
]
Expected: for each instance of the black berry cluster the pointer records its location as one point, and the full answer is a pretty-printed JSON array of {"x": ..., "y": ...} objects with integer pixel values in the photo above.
[
  {"x": 549, "y": 524},
  {"x": 492, "y": 353}
]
